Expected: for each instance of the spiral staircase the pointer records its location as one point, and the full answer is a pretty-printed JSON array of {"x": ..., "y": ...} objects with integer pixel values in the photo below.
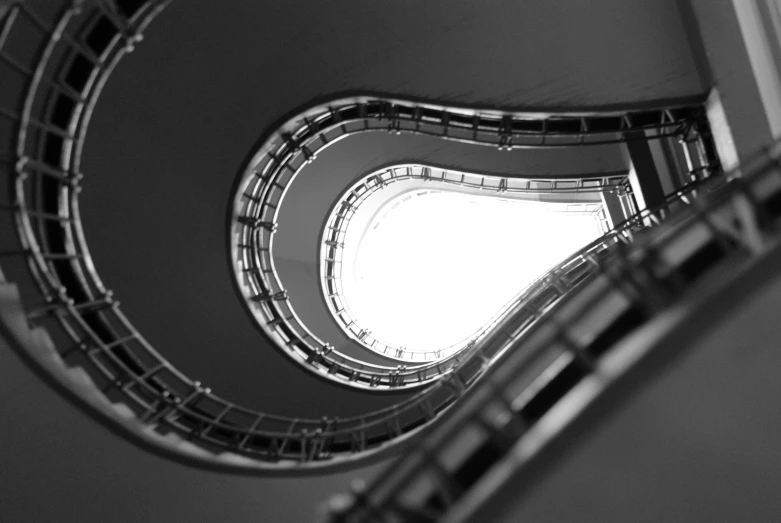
[{"x": 466, "y": 427}]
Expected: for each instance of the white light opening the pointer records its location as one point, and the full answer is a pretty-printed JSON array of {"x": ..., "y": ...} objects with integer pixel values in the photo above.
[{"x": 436, "y": 266}]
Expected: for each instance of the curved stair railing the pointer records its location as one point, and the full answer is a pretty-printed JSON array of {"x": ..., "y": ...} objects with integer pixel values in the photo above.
[
  {"x": 541, "y": 387},
  {"x": 296, "y": 141},
  {"x": 334, "y": 236},
  {"x": 61, "y": 319}
]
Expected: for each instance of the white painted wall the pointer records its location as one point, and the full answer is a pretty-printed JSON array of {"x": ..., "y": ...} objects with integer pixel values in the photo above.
[{"x": 738, "y": 117}]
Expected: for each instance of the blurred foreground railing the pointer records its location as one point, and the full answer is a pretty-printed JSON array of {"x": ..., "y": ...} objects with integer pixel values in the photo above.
[{"x": 541, "y": 386}]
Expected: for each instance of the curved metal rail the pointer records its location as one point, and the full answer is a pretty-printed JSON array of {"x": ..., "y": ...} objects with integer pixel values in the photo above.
[
  {"x": 540, "y": 389},
  {"x": 71, "y": 329},
  {"x": 333, "y": 236},
  {"x": 283, "y": 153}
]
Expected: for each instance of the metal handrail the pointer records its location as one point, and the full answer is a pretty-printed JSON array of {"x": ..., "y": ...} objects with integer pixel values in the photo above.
[
  {"x": 729, "y": 226},
  {"x": 334, "y": 230},
  {"x": 284, "y": 152},
  {"x": 89, "y": 330}
]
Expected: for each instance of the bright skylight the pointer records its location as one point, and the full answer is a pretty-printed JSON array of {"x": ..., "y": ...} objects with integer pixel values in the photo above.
[{"x": 433, "y": 268}]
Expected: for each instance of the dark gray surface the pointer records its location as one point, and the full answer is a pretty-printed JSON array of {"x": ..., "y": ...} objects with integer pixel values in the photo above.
[{"x": 58, "y": 465}]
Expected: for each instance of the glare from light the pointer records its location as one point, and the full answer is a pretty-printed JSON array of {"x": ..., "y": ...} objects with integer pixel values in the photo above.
[{"x": 435, "y": 268}]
